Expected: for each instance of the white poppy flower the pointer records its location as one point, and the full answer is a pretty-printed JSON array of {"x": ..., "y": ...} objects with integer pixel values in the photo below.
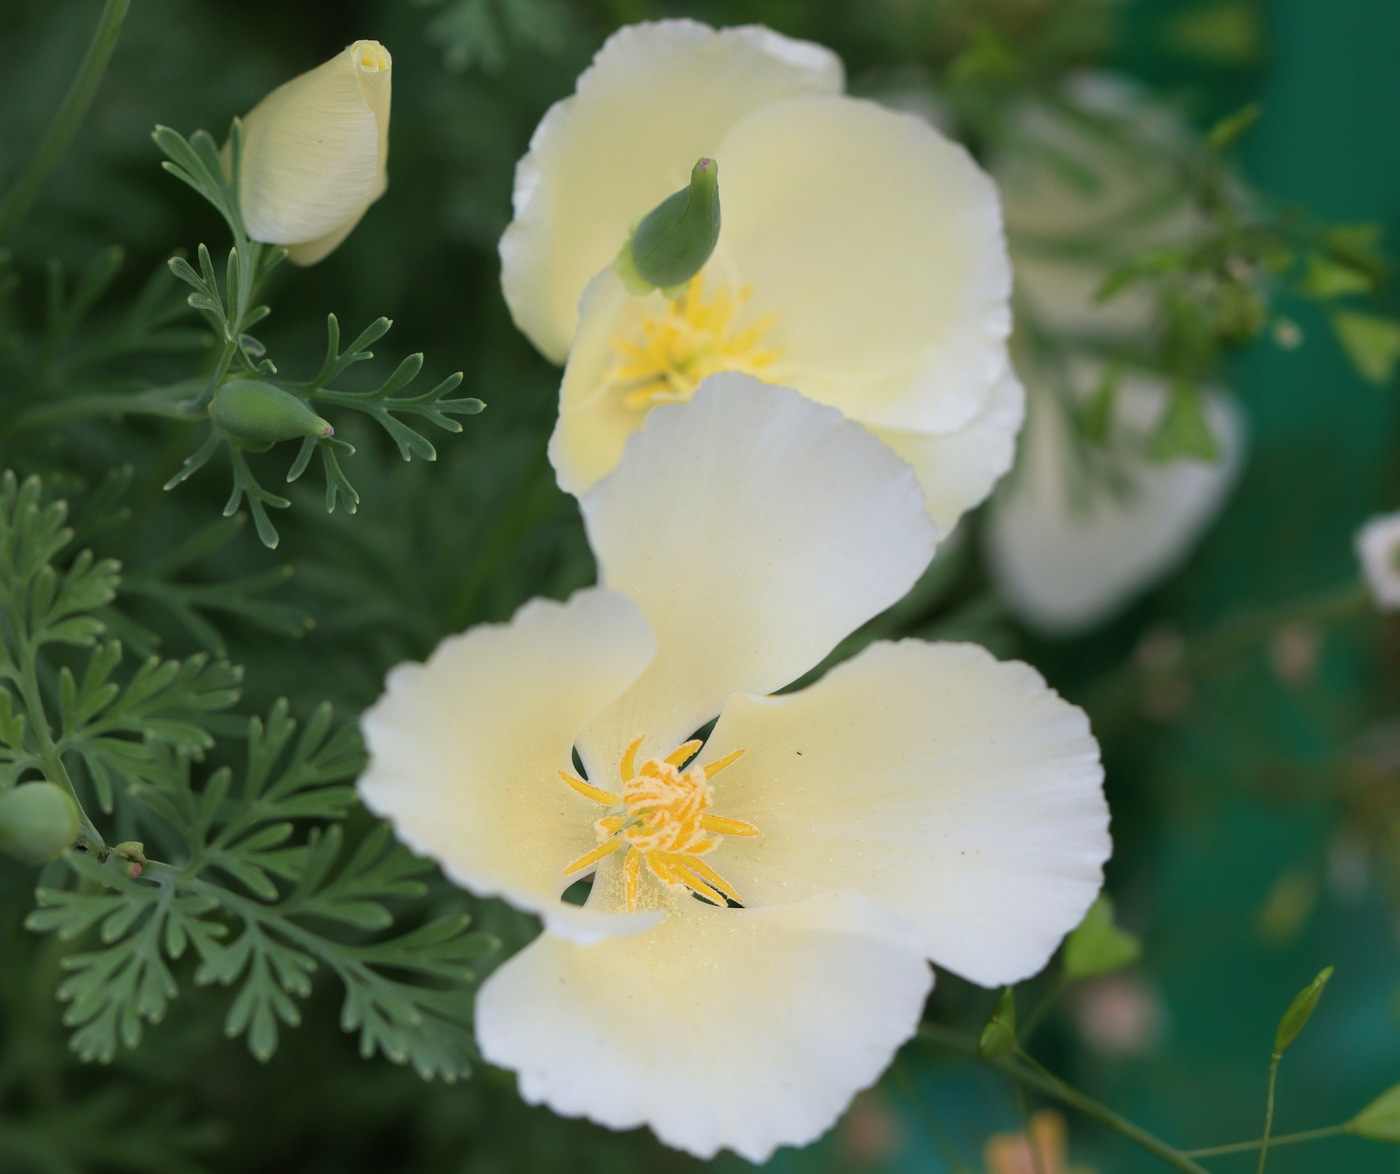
[
  {"x": 314, "y": 153},
  {"x": 1078, "y": 529},
  {"x": 861, "y": 257},
  {"x": 1378, "y": 548},
  {"x": 920, "y": 802}
]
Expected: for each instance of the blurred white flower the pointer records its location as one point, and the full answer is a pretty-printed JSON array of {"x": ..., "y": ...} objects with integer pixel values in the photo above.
[
  {"x": 314, "y": 153},
  {"x": 861, "y": 258},
  {"x": 920, "y": 802},
  {"x": 1079, "y": 530},
  {"x": 1378, "y": 548}
]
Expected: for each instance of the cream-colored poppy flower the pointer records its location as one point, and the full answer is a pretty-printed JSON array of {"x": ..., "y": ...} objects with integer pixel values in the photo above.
[
  {"x": 1079, "y": 529},
  {"x": 861, "y": 258},
  {"x": 1378, "y": 548},
  {"x": 314, "y": 153},
  {"x": 920, "y": 802}
]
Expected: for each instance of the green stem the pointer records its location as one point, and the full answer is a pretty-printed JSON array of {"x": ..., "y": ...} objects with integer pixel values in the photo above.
[
  {"x": 1055, "y": 1088},
  {"x": 1240, "y": 1147},
  {"x": 155, "y": 402},
  {"x": 1268, "y": 1111},
  {"x": 66, "y": 119}
]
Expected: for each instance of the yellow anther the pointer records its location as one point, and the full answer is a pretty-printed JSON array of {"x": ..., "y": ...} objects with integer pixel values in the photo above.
[
  {"x": 727, "y": 827},
  {"x": 683, "y": 752},
  {"x": 691, "y": 338},
  {"x": 607, "y": 848},
  {"x": 661, "y": 818},
  {"x": 588, "y": 790},
  {"x": 720, "y": 763}
]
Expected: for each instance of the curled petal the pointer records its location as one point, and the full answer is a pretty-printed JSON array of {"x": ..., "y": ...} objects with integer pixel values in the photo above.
[
  {"x": 722, "y": 1028},
  {"x": 657, "y": 97},
  {"x": 466, "y": 750},
  {"x": 956, "y": 790},
  {"x": 314, "y": 153}
]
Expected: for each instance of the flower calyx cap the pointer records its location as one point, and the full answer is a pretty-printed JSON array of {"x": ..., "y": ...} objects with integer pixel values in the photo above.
[
  {"x": 38, "y": 822},
  {"x": 260, "y": 413},
  {"x": 672, "y": 242}
]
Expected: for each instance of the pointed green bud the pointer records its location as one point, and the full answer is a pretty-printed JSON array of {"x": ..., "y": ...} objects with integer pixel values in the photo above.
[
  {"x": 262, "y": 414},
  {"x": 38, "y": 821},
  {"x": 1098, "y": 946},
  {"x": 674, "y": 240},
  {"x": 999, "y": 1035},
  {"x": 1299, "y": 1011},
  {"x": 1380, "y": 1120}
]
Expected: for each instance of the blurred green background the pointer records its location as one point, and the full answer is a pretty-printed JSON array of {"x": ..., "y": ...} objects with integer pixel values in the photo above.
[{"x": 1257, "y": 813}]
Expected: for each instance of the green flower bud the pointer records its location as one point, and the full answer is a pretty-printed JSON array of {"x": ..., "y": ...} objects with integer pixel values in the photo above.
[
  {"x": 261, "y": 413},
  {"x": 38, "y": 821},
  {"x": 675, "y": 239}
]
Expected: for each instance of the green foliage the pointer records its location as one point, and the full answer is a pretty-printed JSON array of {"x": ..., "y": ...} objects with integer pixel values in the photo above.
[
  {"x": 1098, "y": 945},
  {"x": 477, "y": 33},
  {"x": 1380, "y": 1120},
  {"x": 261, "y": 908}
]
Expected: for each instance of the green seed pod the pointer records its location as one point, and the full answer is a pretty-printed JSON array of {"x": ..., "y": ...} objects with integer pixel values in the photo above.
[
  {"x": 675, "y": 239},
  {"x": 261, "y": 413},
  {"x": 38, "y": 821}
]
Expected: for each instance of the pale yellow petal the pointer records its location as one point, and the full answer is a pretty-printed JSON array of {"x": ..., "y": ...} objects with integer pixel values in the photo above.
[
  {"x": 657, "y": 97},
  {"x": 722, "y": 1028},
  {"x": 755, "y": 529},
  {"x": 958, "y": 791},
  {"x": 957, "y": 470},
  {"x": 314, "y": 150},
  {"x": 876, "y": 243},
  {"x": 465, "y": 750}
]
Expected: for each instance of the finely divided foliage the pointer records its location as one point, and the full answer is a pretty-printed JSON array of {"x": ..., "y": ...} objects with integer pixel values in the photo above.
[{"x": 257, "y": 879}]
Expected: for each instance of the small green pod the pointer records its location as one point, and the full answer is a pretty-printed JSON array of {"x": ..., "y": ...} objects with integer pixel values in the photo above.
[
  {"x": 263, "y": 414},
  {"x": 675, "y": 239},
  {"x": 38, "y": 822}
]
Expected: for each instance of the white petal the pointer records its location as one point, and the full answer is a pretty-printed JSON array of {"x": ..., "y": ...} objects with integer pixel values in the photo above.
[
  {"x": 656, "y": 98},
  {"x": 958, "y": 469},
  {"x": 877, "y": 244},
  {"x": 958, "y": 791},
  {"x": 1070, "y": 543},
  {"x": 754, "y": 529},
  {"x": 465, "y": 750},
  {"x": 314, "y": 149},
  {"x": 1378, "y": 548},
  {"x": 721, "y": 1028}
]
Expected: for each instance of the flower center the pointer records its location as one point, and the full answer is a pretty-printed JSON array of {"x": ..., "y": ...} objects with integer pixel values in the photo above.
[
  {"x": 694, "y": 336},
  {"x": 661, "y": 818}
]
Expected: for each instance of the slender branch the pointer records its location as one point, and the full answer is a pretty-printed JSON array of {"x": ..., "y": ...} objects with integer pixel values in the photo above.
[
  {"x": 170, "y": 402},
  {"x": 66, "y": 119},
  {"x": 1240, "y": 1147},
  {"x": 1269, "y": 1111},
  {"x": 1055, "y": 1088}
]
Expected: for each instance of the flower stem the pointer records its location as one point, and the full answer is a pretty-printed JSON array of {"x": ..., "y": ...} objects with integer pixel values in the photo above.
[
  {"x": 1052, "y": 1086},
  {"x": 1268, "y": 1111},
  {"x": 66, "y": 119},
  {"x": 1240, "y": 1147}
]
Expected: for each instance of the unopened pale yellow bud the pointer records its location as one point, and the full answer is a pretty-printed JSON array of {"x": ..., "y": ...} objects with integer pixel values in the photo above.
[{"x": 314, "y": 153}]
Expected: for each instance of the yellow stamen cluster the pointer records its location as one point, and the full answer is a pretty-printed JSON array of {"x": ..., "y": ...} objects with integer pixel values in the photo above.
[
  {"x": 661, "y": 817},
  {"x": 693, "y": 337}
]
